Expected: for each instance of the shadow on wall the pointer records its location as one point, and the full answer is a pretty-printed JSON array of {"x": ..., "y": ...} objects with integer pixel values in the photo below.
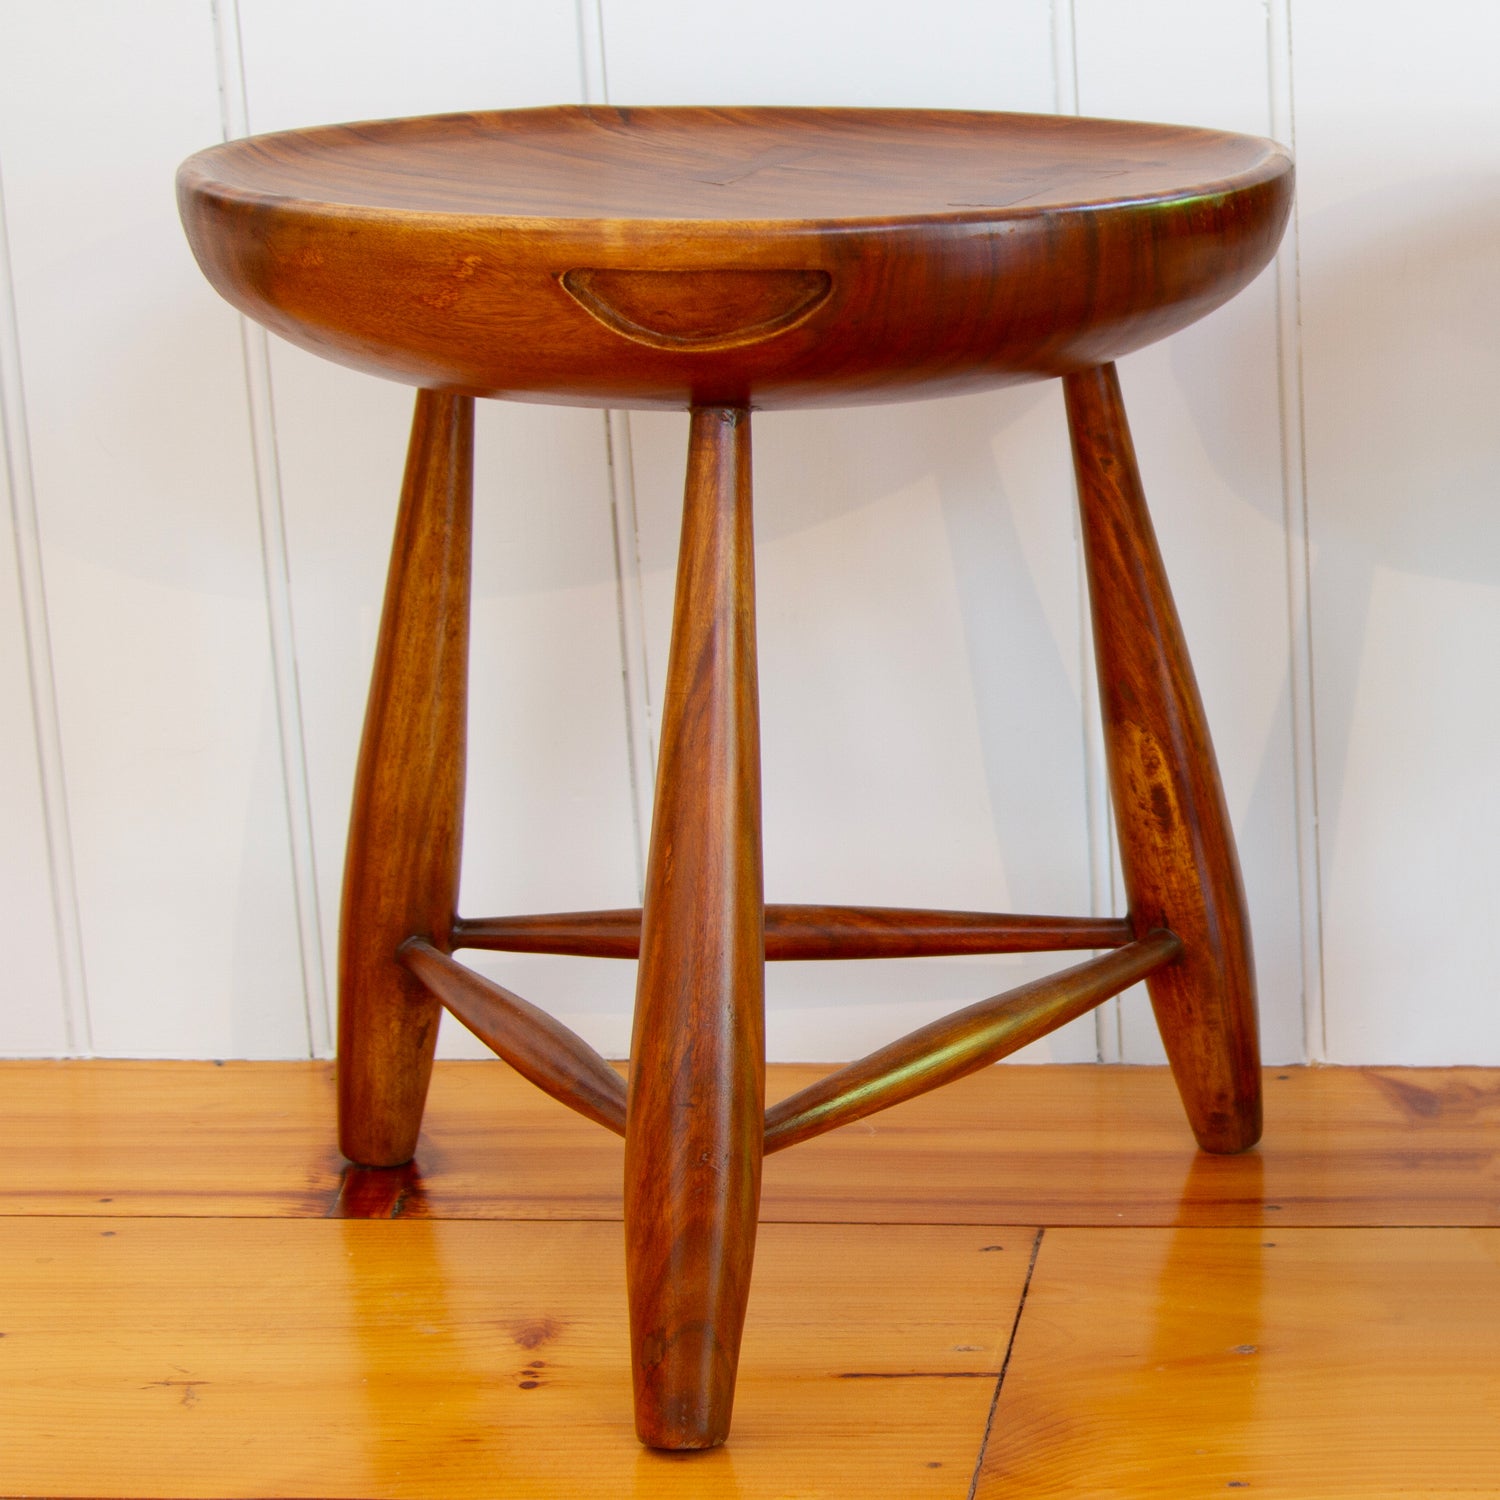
[
  {"x": 813, "y": 466},
  {"x": 1400, "y": 310},
  {"x": 1401, "y": 340}
]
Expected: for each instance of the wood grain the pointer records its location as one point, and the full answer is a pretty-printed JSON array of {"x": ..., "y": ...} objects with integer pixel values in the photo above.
[
  {"x": 1292, "y": 1363},
  {"x": 1107, "y": 1146},
  {"x": 810, "y": 932},
  {"x": 314, "y": 1359},
  {"x": 167, "y": 1138},
  {"x": 406, "y": 829},
  {"x": 1054, "y": 1145},
  {"x": 389, "y": 1359},
  {"x": 697, "y": 1073},
  {"x": 542, "y": 1050},
  {"x": 962, "y": 1043},
  {"x": 719, "y": 259},
  {"x": 1177, "y": 848},
  {"x": 933, "y": 250}
]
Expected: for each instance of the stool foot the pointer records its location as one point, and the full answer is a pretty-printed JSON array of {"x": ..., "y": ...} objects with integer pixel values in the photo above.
[
  {"x": 401, "y": 869},
  {"x": 697, "y": 1081},
  {"x": 1176, "y": 847}
]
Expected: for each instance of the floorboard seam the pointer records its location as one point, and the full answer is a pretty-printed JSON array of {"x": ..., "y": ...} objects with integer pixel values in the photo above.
[
  {"x": 426, "y": 1214},
  {"x": 1015, "y": 1328}
]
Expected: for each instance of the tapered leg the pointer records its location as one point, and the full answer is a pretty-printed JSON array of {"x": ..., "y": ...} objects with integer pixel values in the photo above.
[
  {"x": 697, "y": 1083},
  {"x": 1176, "y": 847},
  {"x": 401, "y": 868}
]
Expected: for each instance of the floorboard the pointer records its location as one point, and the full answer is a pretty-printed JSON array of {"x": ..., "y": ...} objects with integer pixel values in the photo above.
[
  {"x": 1338, "y": 1364},
  {"x": 1026, "y": 1145},
  {"x": 426, "y": 1359},
  {"x": 198, "y": 1297}
]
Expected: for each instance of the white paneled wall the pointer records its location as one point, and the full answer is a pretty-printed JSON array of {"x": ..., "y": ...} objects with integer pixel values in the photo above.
[
  {"x": 550, "y": 816},
  {"x": 37, "y": 1014},
  {"x": 133, "y": 391},
  {"x": 1399, "y": 136},
  {"x": 920, "y": 719},
  {"x": 189, "y": 586}
]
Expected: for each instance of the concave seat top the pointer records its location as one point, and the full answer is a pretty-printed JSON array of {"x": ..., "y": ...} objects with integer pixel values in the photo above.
[{"x": 774, "y": 256}]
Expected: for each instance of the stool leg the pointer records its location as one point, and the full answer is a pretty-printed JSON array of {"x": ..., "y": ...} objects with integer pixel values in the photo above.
[
  {"x": 1176, "y": 847},
  {"x": 405, "y": 831},
  {"x": 695, "y": 1119}
]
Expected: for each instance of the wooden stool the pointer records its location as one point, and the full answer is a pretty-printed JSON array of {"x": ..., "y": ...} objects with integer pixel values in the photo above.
[{"x": 724, "y": 261}]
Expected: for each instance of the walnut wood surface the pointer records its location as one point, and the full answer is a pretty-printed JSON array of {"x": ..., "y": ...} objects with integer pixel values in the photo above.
[
  {"x": 779, "y": 257},
  {"x": 962, "y": 1043},
  {"x": 810, "y": 932},
  {"x": 697, "y": 1075},
  {"x": 1176, "y": 846},
  {"x": 405, "y": 832},
  {"x": 538, "y": 1047},
  {"x": 719, "y": 259}
]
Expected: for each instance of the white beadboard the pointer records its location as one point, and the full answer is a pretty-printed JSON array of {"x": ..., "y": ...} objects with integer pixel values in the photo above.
[
  {"x": 149, "y": 541},
  {"x": 1398, "y": 133},
  {"x": 919, "y": 704},
  {"x": 33, "y": 1017},
  {"x": 944, "y": 54},
  {"x": 1174, "y": 60},
  {"x": 373, "y": 59},
  {"x": 922, "y": 699},
  {"x": 917, "y": 587},
  {"x": 550, "y": 821}
]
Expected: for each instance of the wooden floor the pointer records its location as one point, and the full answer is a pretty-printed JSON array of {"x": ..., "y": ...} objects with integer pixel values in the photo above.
[{"x": 1027, "y": 1285}]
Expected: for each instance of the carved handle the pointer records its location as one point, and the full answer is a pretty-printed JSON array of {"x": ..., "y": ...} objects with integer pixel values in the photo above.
[{"x": 698, "y": 309}]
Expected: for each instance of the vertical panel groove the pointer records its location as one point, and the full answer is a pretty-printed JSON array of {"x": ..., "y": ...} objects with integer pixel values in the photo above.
[
  {"x": 1298, "y": 573},
  {"x": 1065, "y": 57},
  {"x": 1109, "y": 1043},
  {"x": 593, "y": 77},
  {"x": 635, "y": 683},
  {"x": 276, "y": 574},
  {"x": 46, "y": 726}
]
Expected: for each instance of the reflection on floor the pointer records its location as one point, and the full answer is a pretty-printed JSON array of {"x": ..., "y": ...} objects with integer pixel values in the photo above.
[{"x": 1026, "y": 1285}]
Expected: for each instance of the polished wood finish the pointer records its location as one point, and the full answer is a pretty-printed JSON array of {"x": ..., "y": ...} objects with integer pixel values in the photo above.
[
  {"x": 237, "y": 1139},
  {"x": 699, "y": 310},
  {"x": 810, "y": 932},
  {"x": 962, "y": 1043},
  {"x": 541, "y": 1049},
  {"x": 1014, "y": 1144},
  {"x": 719, "y": 260},
  {"x": 697, "y": 1074},
  {"x": 1295, "y": 1363},
  {"x": 202, "y": 1332},
  {"x": 780, "y": 257},
  {"x": 1176, "y": 847},
  {"x": 405, "y": 833},
  {"x": 427, "y": 1360},
  {"x": 379, "y": 1193}
]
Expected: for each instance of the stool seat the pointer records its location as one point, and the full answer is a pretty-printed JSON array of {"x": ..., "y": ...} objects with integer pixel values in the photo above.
[{"x": 745, "y": 257}]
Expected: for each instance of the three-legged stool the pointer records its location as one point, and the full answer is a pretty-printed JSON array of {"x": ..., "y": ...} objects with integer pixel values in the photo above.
[{"x": 726, "y": 261}]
